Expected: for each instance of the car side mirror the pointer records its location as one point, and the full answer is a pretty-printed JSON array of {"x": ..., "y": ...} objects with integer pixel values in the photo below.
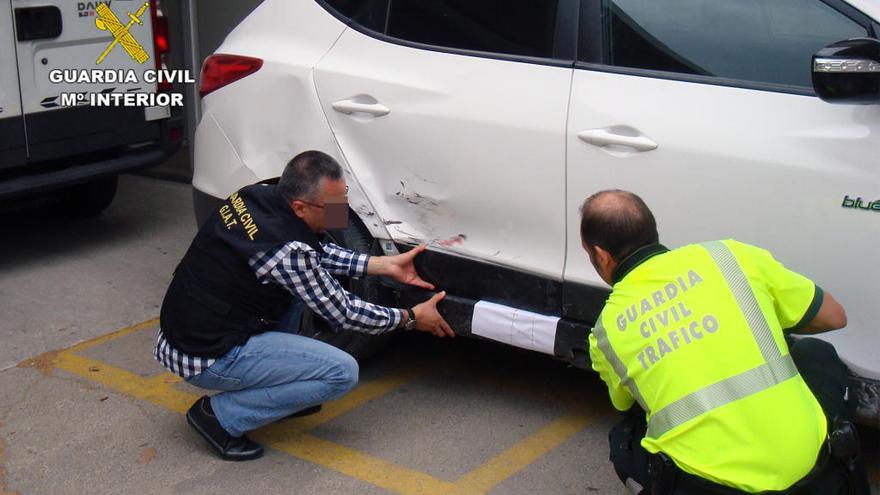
[{"x": 848, "y": 72}]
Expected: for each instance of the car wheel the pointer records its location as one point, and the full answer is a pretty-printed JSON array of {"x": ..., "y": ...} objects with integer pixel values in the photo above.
[
  {"x": 91, "y": 198},
  {"x": 358, "y": 344}
]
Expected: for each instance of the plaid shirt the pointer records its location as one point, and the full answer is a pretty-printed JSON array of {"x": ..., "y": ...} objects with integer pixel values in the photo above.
[{"x": 307, "y": 275}]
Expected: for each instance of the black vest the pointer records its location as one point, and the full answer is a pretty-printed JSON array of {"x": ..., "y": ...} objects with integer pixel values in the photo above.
[{"x": 215, "y": 301}]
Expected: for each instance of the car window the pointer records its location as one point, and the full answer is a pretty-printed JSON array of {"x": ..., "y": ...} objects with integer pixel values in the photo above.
[
  {"x": 499, "y": 26},
  {"x": 367, "y": 13},
  {"x": 750, "y": 40}
]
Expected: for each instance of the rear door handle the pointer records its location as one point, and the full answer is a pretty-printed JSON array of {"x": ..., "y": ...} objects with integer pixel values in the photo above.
[
  {"x": 353, "y": 106},
  {"x": 606, "y": 137}
]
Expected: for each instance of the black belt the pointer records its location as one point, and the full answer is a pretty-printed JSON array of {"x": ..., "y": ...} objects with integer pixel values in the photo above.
[{"x": 666, "y": 477}]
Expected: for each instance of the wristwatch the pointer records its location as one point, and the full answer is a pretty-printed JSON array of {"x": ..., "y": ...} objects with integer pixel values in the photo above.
[{"x": 411, "y": 323}]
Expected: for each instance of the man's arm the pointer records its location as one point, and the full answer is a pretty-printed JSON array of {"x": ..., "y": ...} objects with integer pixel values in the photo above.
[
  {"x": 340, "y": 261},
  {"x": 402, "y": 268},
  {"x": 802, "y": 307},
  {"x": 831, "y": 316},
  {"x": 620, "y": 396},
  {"x": 399, "y": 267},
  {"x": 298, "y": 268}
]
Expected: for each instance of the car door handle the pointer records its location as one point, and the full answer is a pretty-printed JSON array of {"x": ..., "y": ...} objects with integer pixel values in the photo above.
[
  {"x": 352, "y": 106},
  {"x": 605, "y": 137}
]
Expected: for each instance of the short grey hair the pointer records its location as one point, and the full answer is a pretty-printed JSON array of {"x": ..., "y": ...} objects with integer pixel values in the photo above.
[{"x": 302, "y": 175}]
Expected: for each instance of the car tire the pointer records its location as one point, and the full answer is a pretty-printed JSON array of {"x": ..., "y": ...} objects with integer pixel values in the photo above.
[
  {"x": 91, "y": 198},
  {"x": 358, "y": 344}
]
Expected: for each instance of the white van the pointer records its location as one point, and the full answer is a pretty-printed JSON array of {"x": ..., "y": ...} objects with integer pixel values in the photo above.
[
  {"x": 479, "y": 127},
  {"x": 51, "y": 51}
]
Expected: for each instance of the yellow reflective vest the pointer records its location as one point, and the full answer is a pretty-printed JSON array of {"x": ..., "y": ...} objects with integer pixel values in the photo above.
[{"x": 695, "y": 336}]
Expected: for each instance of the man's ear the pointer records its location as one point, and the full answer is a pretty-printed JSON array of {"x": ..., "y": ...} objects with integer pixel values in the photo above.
[
  {"x": 592, "y": 254},
  {"x": 603, "y": 257},
  {"x": 299, "y": 209},
  {"x": 603, "y": 262}
]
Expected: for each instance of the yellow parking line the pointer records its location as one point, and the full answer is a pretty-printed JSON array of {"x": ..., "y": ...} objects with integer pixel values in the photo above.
[
  {"x": 287, "y": 436},
  {"x": 155, "y": 390},
  {"x": 292, "y": 437},
  {"x": 114, "y": 335},
  {"x": 168, "y": 378},
  {"x": 283, "y": 431},
  {"x": 158, "y": 390},
  {"x": 362, "y": 466},
  {"x": 523, "y": 453}
]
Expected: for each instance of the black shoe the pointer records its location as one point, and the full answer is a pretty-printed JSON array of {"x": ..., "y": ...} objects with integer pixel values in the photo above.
[
  {"x": 201, "y": 417},
  {"x": 306, "y": 412}
]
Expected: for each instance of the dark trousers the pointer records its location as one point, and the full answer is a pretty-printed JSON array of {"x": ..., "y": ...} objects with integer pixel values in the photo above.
[{"x": 825, "y": 375}]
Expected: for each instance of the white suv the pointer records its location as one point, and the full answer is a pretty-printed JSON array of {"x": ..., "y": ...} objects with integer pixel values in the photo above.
[{"x": 479, "y": 127}]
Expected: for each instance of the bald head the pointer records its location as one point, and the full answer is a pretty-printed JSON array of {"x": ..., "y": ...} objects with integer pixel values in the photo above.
[{"x": 618, "y": 222}]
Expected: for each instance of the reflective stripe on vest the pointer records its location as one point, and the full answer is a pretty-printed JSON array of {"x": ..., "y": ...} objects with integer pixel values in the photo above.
[
  {"x": 776, "y": 368},
  {"x": 617, "y": 364},
  {"x": 721, "y": 393},
  {"x": 745, "y": 298}
]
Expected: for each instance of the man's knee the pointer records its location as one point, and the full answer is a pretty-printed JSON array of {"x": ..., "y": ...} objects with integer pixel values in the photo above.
[
  {"x": 629, "y": 458},
  {"x": 347, "y": 370}
]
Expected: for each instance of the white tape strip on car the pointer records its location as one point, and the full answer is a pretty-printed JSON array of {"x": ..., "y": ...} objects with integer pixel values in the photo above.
[{"x": 514, "y": 326}]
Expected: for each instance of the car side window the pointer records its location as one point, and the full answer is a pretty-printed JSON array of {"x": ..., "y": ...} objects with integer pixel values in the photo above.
[
  {"x": 367, "y": 13},
  {"x": 497, "y": 26},
  {"x": 748, "y": 40}
]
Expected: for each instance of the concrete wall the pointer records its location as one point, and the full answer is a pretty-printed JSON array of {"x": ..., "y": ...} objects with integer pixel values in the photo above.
[{"x": 216, "y": 18}]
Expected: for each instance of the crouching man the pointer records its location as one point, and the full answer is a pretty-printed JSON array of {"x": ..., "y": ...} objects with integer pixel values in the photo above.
[
  {"x": 230, "y": 316},
  {"x": 694, "y": 337}
]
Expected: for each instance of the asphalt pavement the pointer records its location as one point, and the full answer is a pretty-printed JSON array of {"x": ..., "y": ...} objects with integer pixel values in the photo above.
[{"x": 84, "y": 408}]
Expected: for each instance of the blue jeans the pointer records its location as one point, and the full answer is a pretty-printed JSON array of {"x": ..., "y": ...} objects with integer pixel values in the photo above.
[{"x": 275, "y": 374}]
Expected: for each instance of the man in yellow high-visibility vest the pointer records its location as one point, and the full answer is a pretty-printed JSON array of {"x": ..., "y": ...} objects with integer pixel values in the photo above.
[{"x": 694, "y": 336}]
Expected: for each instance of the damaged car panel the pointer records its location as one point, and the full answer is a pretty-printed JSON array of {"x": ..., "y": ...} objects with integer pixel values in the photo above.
[
  {"x": 247, "y": 132},
  {"x": 468, "y": 150}
]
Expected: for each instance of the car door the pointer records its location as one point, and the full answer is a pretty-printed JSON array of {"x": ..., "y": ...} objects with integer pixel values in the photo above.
[
  {"x": 13, "y": 150},
  {"x": 705, "y": 109},
  {"x": 452, "y": 118}
]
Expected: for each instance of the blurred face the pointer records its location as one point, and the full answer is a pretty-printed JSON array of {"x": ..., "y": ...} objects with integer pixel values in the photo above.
[{"x": 329, "y": 210}]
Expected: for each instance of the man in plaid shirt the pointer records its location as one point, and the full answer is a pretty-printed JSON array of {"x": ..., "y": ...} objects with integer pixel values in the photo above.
[{"x": 230, "y": 316}]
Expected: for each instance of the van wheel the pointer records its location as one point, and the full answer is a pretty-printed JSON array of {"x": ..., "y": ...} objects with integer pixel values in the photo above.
[
  {"x": 358, "y": 344},
  {"x": 91, "y": 198}
]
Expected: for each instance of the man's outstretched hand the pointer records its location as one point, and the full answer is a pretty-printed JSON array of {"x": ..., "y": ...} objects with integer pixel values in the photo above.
[
  {"x": 400, "y": 267},
  {"x": 428, "y": 319}
]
